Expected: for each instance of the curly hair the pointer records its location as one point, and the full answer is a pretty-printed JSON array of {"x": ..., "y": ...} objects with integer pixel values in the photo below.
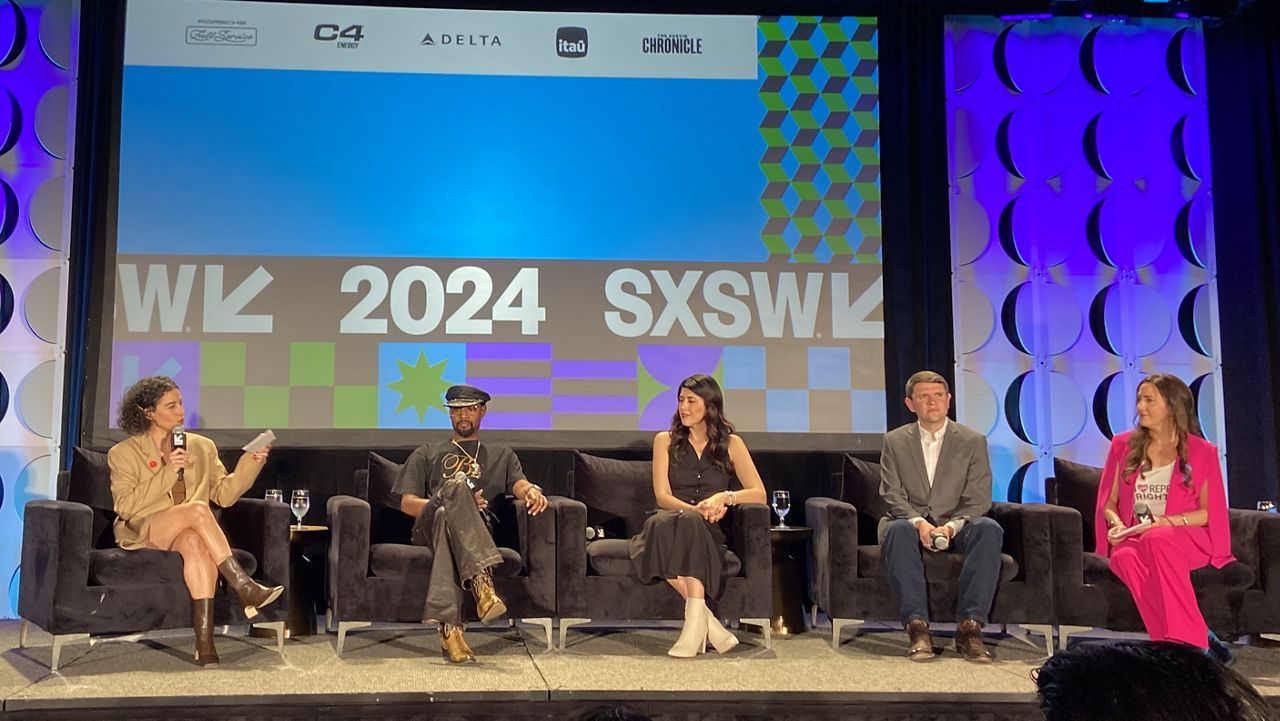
[
  {"x": 718, "y": 427},
  {"x": 140, "y": 398},
  {"x": 1182, "y": 411}
]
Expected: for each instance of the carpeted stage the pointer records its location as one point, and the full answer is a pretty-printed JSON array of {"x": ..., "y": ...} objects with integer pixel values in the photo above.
[{"x": 398, "y": 673}]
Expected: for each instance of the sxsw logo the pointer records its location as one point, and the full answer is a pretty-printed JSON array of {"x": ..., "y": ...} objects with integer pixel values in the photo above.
[{"x": 571, "y": 42}]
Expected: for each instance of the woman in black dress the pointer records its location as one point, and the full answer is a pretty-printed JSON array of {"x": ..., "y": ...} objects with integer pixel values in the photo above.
[{"x": 694, "y": 465}]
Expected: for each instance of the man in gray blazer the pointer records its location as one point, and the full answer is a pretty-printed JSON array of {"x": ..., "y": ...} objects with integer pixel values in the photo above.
[{"x": 935, "y": 479}]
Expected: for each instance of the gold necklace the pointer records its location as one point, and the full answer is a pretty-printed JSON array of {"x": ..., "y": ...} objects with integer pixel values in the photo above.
[{"x": 474, "y": 460}]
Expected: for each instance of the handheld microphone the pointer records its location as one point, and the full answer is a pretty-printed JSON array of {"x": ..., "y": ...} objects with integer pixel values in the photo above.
[
  {"x": 1142, "y": 514},
  {"x": 179, "y": 441},
  {"x": 940, "y": 541},
  {"x": 461, "y": 476}
]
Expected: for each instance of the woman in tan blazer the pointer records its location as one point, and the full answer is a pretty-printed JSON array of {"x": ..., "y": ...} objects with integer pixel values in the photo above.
[{"x": 162, "y": 497}]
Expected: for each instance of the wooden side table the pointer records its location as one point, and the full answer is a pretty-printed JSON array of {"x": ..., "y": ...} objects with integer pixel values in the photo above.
[
  {"x": 790, "y": 553},
  {"x": 306, "y": 580}
]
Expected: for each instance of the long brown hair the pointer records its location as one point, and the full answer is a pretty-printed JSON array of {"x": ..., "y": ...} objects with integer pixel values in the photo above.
[
  {"x": 718, "y": 427},
  {"x": 1182, "y": 411}
]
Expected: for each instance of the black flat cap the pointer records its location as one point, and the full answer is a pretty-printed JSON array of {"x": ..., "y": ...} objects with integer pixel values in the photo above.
[{"x": 463, "y": 396}]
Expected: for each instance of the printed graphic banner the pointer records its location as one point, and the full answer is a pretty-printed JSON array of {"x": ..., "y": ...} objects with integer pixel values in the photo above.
[{"x": 319, "y": 244}]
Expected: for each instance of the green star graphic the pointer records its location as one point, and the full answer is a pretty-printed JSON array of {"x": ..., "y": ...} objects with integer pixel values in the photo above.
[{"x": 421, "y": 386}]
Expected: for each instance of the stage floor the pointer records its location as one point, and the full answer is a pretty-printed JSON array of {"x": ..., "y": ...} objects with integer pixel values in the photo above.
[{"x": 399, "y": 672}]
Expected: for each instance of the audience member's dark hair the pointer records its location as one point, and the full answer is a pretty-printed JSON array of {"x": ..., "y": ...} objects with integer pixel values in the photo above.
[
  {"x": 613, "y": 713},
  {"x": 1144, "y": 681}
]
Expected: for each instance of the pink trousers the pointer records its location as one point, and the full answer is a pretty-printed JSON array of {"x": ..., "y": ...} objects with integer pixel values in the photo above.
[{"x": 1156, "y": 567}]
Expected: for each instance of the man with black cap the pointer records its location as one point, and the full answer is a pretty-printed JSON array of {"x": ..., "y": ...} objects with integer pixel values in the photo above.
[{"x": 447, "y": 492}]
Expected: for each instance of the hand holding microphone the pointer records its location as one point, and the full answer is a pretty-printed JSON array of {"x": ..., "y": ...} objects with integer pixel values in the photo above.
[
  {"x": 941, "y": 541},
  {"x": 178, "y": 457},
  {"x": 1142, "y": 514}
]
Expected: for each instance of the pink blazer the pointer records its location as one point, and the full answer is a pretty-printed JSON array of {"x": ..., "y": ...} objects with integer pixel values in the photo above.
[{"x": 1206, "y": 476}]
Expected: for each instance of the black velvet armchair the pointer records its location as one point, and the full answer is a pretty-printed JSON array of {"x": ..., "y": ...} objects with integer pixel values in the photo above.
[
  {"x": 374, "y": 574},
  {"x": 1239, "y": 598},
  {"x": 594, "y": 580},
  {"x": 76, "y": 583},
  {"x": 847, "y": 577}
]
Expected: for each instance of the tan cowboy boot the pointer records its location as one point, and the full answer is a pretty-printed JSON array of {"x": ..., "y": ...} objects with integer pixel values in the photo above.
[
  {"x": 202, "y": 622},
  {"x": 453, "y": 646},
  {"x": 252, "y": 595},
  {"x": 488, "y": 605}
]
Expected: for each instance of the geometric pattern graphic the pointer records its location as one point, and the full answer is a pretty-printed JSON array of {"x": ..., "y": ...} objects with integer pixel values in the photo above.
[
  {"x": 821, "y": 127},
  {"x": 779, "y": 388},
  {"x": 36, "y": 122},
  {"x": 759, "y": 394},
  {"x": 1082, "y": 246}
]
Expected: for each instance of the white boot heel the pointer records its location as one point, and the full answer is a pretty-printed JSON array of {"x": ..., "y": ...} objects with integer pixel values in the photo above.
[
  {"x": 693, "y": 636},
  {"x": 720, "y": 637}
]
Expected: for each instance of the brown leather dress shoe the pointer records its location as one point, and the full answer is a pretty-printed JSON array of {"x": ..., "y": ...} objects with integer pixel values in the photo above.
[
  {"x": 920, "y": 640},
  {"x": 453, "y": 646},
  {"x": 969, "y": 642},
  {"x": 488, "y": 605}
]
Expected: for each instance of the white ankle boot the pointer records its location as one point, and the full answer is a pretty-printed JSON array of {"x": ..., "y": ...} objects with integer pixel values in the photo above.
[
  {"x": 693, "y": 637},
  {"x": 719, "y": 636}
]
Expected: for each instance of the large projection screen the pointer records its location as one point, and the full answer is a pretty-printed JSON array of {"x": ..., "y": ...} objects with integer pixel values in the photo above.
[{"x": 326, "y": 215}]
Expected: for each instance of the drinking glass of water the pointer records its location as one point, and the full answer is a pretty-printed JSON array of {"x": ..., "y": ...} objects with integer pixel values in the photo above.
[
  {"x": 300, "y": 503},
  {"x": 782, "y": 506},
  {"x": 274, "y": 494}
]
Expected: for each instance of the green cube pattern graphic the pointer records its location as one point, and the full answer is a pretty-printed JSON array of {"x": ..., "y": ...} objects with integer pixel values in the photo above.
[
  {"x": 821, "y": 128},
  {"x": 311, "y": 381}
]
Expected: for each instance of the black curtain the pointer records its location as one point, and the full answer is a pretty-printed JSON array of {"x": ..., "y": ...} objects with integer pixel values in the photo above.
[
  {"x": 1243, "y": 66},
  {"x": 917, "y": 228}
]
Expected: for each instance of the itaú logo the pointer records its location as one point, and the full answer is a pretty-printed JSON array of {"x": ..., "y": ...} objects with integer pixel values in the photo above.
[{"x": 571, "y": 42}]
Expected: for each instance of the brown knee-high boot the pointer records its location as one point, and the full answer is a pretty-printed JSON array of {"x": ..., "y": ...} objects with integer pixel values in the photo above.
[
  {"x": 252, "y": 595},
  {"x": 202, "y": 622}
]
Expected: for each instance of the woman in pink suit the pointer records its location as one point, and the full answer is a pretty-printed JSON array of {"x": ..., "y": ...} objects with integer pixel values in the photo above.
[{"x": 1166, "y": 465}]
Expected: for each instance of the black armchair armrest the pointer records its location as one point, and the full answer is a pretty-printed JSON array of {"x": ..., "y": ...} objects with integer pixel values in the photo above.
[
  {"x": 348, "y": 561},
  {"x": 1269, "y": 552},
  {"x": 571, "y": 557},
  {"x": 1028, "y": 539},
  {"x": 834, "y": 560},
  {"x": 1067, "y": 549},
  {"x": 261, "y": 527},
  {"x": 55, "y": 559},
  {"x": 538, "y": 550},
  {"x": 749, "y": 535}
]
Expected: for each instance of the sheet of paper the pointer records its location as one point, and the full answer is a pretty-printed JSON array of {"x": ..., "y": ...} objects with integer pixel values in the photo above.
[{"x": 263, "y": 440}]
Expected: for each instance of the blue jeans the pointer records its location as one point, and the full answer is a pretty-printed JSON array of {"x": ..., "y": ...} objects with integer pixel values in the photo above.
[{"x": 980, "y": 541}]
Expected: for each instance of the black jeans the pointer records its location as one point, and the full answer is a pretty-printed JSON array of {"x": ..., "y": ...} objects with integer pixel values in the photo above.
[
  {"x": 980, "y": 541},
  {"x": 462, "y": 546}
]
